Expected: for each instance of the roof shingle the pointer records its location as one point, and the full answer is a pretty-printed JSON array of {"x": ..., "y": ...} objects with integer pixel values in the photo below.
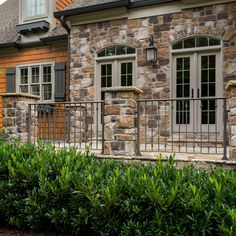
[{"x": 9, "y": 16}]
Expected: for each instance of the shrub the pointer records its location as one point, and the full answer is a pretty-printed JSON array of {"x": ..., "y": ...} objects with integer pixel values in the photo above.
[{"x": 67, "y": 191}]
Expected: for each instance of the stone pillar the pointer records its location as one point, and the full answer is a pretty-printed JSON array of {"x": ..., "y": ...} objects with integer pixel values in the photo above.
[
  {"x": 16, "y": 114},
  {"x": 231, "y": 88},
  {"x": 119, "y": 120}
]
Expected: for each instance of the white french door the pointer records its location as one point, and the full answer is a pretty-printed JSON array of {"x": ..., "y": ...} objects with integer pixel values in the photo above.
[{"x": 195, "y": 77}]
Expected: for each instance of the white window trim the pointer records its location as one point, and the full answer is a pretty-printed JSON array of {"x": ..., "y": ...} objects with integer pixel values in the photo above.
[
  {"x": 195, "y": 53},
  {"x": 52, "y": 64},
  {"x": 115, "y": 61},
  {"x": 50, "y": 8},
  {"x": 23, "y": 9}
]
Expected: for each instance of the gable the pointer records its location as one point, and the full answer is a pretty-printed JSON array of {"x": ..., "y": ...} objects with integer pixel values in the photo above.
[{"x": 62, "y": 4}]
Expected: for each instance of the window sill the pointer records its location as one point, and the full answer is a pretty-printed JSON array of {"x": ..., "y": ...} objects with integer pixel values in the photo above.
[{"x": 33, "y": 27}]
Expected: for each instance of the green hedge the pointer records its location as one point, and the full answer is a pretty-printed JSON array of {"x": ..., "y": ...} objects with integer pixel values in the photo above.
[{"x": 66, "y": 191}]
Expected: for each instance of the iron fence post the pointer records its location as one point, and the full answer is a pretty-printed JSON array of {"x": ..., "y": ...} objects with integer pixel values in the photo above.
[
  {"x": 103, "y": 126},
  {"x": 137, "y": 124},
  {"x": 225, "y": 130}
]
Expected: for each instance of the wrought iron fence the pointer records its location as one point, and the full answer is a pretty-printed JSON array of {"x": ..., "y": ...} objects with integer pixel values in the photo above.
[
  {"x": 77, "y": 124},
  {"x": 184, "y": 125}
]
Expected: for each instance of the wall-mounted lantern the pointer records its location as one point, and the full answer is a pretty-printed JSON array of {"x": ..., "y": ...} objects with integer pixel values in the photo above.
[{"x": 151, "y": 52}]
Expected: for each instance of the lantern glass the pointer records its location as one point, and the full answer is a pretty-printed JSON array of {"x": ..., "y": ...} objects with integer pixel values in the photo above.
[{"x": 151, "y": 55}]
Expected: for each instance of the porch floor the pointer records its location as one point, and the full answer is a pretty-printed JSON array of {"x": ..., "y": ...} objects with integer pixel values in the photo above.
[{"x": 152, "y": 153}]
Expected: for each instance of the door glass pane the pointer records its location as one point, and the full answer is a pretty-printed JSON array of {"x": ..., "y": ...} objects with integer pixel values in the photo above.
[
  {"x": 208, "y": 89},
  {"x": 106, "y": 78},
  {"x": 183, "y": 90},
  {"x": 126, "y": 73},
  {"x": 106, "y": 75}
]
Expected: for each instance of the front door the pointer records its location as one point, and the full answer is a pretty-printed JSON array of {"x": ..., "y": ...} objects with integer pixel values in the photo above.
[{"x": 196, "y": 85}]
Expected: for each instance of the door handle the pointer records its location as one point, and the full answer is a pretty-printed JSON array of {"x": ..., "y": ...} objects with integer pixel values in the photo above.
[
  {"x": 198, "y": 93},
  {"x": 192, "y": 93}
]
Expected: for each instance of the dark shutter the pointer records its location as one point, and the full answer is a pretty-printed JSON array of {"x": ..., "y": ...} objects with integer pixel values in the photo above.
[
  {"x": 60, "y": 81},
  {"x": 11, "y": 80}
]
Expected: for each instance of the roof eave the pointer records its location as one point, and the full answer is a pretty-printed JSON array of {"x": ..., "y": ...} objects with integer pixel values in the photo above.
[
  {"x": 92, "y": 8},
  {"x": 54, "y": 38},
  {"x": 8, "y": 45},
  {"x": 149, "y": 2}
]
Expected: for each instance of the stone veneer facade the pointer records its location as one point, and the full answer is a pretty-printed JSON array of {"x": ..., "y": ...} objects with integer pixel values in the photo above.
[
  {"x": 154, "y": 80},
  {"x": 16, "y": 116},
  {"x": 86, "y": 40}
]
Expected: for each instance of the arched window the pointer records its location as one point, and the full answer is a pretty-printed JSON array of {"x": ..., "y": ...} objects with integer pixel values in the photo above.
[
  {"x": 115, "y": 67},
  {"x": 116, "y": 50},
  {"x": 196, "y": 42}
]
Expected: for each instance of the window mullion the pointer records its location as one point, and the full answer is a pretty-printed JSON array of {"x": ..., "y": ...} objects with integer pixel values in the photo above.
[
  {"x": 41, "y": 81},
  {"x": 29, "y": 78},
  {"x": 116, "y": 74}
]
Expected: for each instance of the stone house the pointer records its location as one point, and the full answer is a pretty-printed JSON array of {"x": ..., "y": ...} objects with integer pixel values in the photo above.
[
  {"x": 194, "y": 42},
  {"x": 33, "y": 59},
  {"x": 150, "y": 75}
]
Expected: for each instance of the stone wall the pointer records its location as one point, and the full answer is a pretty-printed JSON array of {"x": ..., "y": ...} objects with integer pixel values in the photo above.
[
  {"x": 16, "y": 115},
  {"x": 119, "y": 120},
  {"x": 231, "y": 88},
  {"x": 154, "y": 80}
]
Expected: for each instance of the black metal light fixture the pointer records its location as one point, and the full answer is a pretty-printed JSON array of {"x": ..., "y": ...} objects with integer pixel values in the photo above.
[{"x": 151, "y": 52}]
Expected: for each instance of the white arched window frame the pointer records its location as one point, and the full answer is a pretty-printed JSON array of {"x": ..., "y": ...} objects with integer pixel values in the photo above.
[{"x": 115, "y": 66}]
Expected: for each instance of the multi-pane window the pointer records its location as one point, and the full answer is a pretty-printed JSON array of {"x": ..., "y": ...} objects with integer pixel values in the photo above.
[
  {"x": 35, "y": 8},
  {"x": 126, "y": 73},
  {"x": 106, "y": 77},
  {"x": 183, "y": 90},
  {"x": 208, "y": 88},
  {"x": 116, "y": 50},
  {"x": 116, "y": 66},
  {"x": 37, "y": 80},
  {"x": 197, "y": 42}
]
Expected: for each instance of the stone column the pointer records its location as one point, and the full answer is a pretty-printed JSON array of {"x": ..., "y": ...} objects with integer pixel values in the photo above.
[
  {"x": 119, "y": 120},
  {"x": 16, "y": 115},
  {"x": 231, "y": 88}
]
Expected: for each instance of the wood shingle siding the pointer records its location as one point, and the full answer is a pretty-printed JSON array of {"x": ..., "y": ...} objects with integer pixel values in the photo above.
[
  {"x": 30, "y": 56},
  {"x": 62, "y": 4}
]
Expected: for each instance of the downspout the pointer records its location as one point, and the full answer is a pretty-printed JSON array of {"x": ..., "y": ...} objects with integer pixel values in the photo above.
[{"x": 67, "y": 28}]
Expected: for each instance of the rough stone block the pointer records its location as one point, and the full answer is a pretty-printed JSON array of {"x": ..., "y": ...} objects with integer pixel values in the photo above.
[
  {"x": 125, "y": 122},
  {"x": 112, "y": 110},
  {"x": 233, "y": 141},
  {"x": 125, "y": 137},
  {"x": 125, "y": 95},
  {"x": 131, "y": 103},
  {"x": 232, "y": 156},
  {"x": 233, "y": 120},
  {"x": 11, "y": 112},
  {"x": 8, "y": 122},
  {"x": 118, "y": 146}
]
